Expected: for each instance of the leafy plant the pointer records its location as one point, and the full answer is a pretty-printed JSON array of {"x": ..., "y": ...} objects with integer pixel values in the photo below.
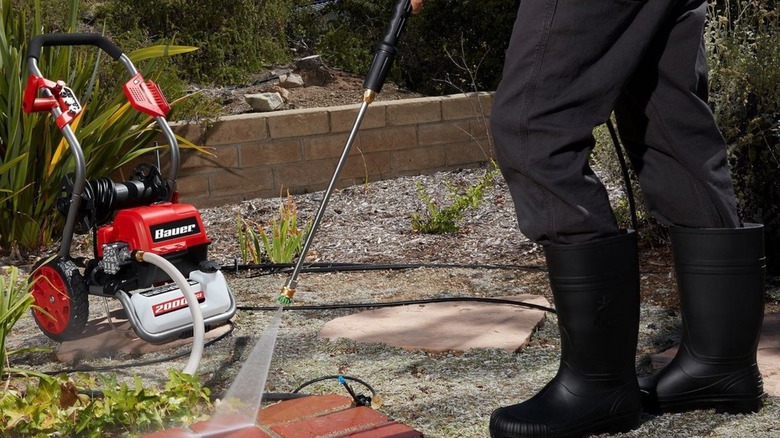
[
  {"x": 57, "y": 405},
  {"x": 31, "y": 147},
  {"x": 744, "y": 56},
  {"x": 236, "y": 37},
  {"x": 281, "y": 244},
  {"x": 348, "y": 30},
  {"x": 444, "y": 220},
  {"x": 15, "y": 301}
]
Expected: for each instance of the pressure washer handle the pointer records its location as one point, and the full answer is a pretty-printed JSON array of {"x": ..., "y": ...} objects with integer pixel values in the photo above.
[
  {"x": 72, "y": 39},
  {"x": 385, "y": 51}
]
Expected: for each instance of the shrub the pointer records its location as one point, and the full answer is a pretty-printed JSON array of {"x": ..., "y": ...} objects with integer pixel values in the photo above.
[
  {"x": 453, "y": 45},
  {"x": 58, "y": 406},
  {"x": 744, "y": 56},
  {"x": 235, "y": 37},
  {"x": 31, "y": 146}
]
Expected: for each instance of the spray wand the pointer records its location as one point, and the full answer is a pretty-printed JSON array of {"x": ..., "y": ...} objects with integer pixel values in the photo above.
[{"x": 384, "y": 55}]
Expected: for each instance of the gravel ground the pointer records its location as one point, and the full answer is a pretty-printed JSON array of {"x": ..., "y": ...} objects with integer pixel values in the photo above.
[{"x": 443, "y": 394}]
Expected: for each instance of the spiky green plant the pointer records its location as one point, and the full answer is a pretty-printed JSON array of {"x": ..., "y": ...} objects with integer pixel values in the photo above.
[
  {"x": 280, "y": 244},
  {"x": 285, "y": 240},
  {"x": 15, "y": 301},
  {"x": 32, "y": 152}
]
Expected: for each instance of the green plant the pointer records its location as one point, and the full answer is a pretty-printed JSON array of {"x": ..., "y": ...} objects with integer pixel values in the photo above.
[
  {"x": 236, "y": 37},
  {"x": 281, "y": 244},
  {"x": 744, "y": 56},
  {"x": 56, "y": 405},
  {"x": 31, "y": 147},
  {"x": 15, "y": 301},
  {"x": 444, "y": 220}
]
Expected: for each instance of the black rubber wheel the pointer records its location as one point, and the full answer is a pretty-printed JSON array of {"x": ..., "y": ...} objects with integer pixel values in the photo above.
[{"x": 61, "y": 300}]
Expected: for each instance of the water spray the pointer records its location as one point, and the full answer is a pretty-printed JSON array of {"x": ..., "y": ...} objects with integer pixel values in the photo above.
[{"x": 384, "y": 55}]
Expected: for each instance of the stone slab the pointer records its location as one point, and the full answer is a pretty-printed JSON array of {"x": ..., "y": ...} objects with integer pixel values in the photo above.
[
  {"x": 449, "y": 326},
  {"x": 768, "y": 355},
  {"x": 102, "y": 340}
]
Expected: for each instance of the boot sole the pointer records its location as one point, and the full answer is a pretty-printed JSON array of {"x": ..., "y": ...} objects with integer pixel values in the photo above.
[
  {"x": 611, "y": 425},
  {"x": 720, "y": 405}
]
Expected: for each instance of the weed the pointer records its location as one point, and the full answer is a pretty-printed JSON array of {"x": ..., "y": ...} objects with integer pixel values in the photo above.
[
  {"x": 445, "y": 220},
  {"x": 281, "y": 243}
]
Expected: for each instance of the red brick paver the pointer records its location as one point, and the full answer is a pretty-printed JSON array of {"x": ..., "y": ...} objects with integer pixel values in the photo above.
[{"x": 331, "y": 416}]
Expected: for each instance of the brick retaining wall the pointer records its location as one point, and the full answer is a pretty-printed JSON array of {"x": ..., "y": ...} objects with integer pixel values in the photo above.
[{"x": 258, "y": 154}]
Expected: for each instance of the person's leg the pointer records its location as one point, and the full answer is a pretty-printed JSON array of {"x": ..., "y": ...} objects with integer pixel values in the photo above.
[
  {"x": 566, "y": 64},
  {"x": 668, "y": 129},
  {"x": 680, "y": 159}
]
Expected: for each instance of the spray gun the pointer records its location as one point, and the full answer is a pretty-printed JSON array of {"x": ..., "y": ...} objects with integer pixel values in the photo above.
[{"x": 384, "y": 55}]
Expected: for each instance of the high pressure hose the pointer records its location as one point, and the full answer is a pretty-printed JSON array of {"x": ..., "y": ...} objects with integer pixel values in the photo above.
[{"x": 198, "y": 327}]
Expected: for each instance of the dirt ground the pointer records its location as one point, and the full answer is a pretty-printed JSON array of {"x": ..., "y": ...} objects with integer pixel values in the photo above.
[{"x": 442, "y": 395}]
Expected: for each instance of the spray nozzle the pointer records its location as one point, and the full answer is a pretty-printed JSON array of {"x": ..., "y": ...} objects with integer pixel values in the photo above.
[{"x": 287, "y": 296}]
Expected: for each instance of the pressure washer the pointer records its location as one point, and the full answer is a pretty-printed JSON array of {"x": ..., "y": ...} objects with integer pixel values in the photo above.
[{"x": 150, "y": 251}]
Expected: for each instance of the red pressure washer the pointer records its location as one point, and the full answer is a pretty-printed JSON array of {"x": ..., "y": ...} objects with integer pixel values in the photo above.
[{"x": 127, "y": 219}]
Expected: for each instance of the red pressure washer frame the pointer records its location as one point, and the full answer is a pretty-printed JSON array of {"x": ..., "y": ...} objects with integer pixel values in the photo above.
[{"x": 183, "y": 240}]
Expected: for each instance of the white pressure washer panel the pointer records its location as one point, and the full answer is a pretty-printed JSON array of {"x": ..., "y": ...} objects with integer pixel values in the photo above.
[{"x": 164, "y": 308}]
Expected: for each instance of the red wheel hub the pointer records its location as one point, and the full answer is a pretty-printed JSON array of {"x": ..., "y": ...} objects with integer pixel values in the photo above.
[{"x": 51, "y": 294}]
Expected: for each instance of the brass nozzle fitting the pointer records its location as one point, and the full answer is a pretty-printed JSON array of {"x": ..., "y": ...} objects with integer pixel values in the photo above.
[
  {"x": 139, "y": 256},
  {"x": 286, "y": 296},
  {"x": 369, "y": 96}
]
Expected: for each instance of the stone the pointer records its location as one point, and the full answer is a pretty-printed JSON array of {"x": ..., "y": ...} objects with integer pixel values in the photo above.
[
  {"x": 314, "y": 71},
  {"x": 285, "y": 93},
  {"x": 107, "y": 339},
  {"x": 448, "y": 326},
  {"x": 291, "y": 80},
  {"x": 264, "y": 102}
]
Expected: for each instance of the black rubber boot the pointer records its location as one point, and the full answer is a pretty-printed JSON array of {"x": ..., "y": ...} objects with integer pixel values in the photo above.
[
  {"x": 595, "y": 288},
  {"x": 720, "y": 275}
]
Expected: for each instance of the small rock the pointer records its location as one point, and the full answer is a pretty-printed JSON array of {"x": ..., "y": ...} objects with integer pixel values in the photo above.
[
  {"x": 292, "y": 80},
  {"x": 264, "y": 101},
  {"x": 285, "y": 93},
  {"x": 314, "y": 71}
]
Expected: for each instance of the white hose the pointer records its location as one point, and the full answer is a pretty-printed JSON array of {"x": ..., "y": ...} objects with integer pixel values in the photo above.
[{"x": 198, "y": 328}]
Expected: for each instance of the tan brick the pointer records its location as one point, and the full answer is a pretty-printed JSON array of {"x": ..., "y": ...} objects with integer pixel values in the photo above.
[
  {"x": 343, "y": 118},
  {"x": 328, "y": 146},
  {"x": 298, "y": 123},
  {"x": 388, "y": 139},
  {"x": 242, "y": 128},
  {"x": 238, "y": 181},
  {"x": 443, "y": 133},
  {"x": 431, "y": 157},
  {"x": 194, "y": 162},
  {"x": 371, "y": 166},
  {"x": 270, "y": 152},
  {"x": 191, "y": 131},
  {"x": 192, "y": 187},
  {"x": 467, "y": 153},
  {"x": 466, "y": 106},
  {"x": 480, "y": 128},
  {"x": 413, "y": 111}
]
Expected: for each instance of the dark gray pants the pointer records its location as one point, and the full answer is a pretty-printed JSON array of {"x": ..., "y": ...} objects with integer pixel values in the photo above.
[{"x": 570, "y": 63}]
